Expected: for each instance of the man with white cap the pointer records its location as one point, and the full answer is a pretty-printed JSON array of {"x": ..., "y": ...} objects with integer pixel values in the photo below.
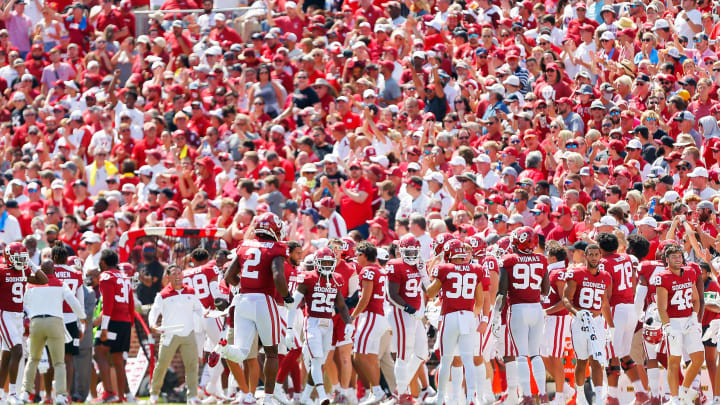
[
  {"x": 294, "y": 22},
  {"x": 414, "y": 201},
  {"x": 436, "y": 191},
  {"x": 699, "y": 184},
  {"x": 487, "y": 177},
  {"x": 94, "y": 243},
  {"x": 221, "y": 32},
  {"x": 457, "y": 167}
]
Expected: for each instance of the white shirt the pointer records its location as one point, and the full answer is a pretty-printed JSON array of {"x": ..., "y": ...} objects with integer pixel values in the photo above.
[
  {"x": 11, "y": 233},
  {"x": 489, "y": 180},
  {"x": 79, "y": 292},
  {"x": 425, "y": 246},
  {"x": 176, "y": 306},
  {"x": 250, "y": 202},
  {"x": 48, "y": 300},
  {"x": 92, "y": 262},
  {"x": 337, "y": 228},
  {"x": 136, "y": 131},
  {"x": 446, "y": 201},
  {"x": 409, "y": 206},
  {"x": 682, "y": 27},
  {"x": 100, "y": 176},
  {"x": 341, "y": 149}
]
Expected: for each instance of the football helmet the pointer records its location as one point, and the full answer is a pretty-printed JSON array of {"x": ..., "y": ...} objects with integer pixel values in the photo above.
[
  {"x": 16, "y": 255},
  {"x": 652, "y": 327},
  {"x": 409, "y": 249},
  {"x": 347, "y": 248},
  {"x": 439, "y": 242},
  {"x": 454, "y": 249},
  {"x": 325, "y": 261},
  {"x": 271, "y": 225},
  {"x": 524, "y": 239},
  {"x": 477, "y": 244}
]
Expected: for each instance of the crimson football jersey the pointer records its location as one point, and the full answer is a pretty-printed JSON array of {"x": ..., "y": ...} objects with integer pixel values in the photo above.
[
  {"x": 525, "y": 273},
  {"x": 459, "y": 282},
  {"x": 321, "y": 293},
  {"x": 409, "y": 279},
  {"x": 619, "y": 266},
  {"x": 71, "y": 278},
  {"x": 116, "y": 290},
  {"x": 590, "y": 288},
  {"x": 679, "y": 289},
  {"x": 650, "y": 269},
  {"x": 553, "y": 297},
  {"x": 12, "y": 289},
  {"x": 199, "y": 278},
  {"x": 291, "y": 278},
  {"x": 347, "y": 270},
  {"x": 378, "y": 277},
  {"x": 255, "y": 259}
]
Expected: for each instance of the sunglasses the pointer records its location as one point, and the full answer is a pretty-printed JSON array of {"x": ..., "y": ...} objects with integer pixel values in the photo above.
[
  {"x": 614, "y": 113},
  {"x": 651, "y": 119},
  {"x": 496, "y": 221},
  {"x": 515, "y": 142},
  {"x": 647, "y": 40},
  {"x": 571, "y": 146}
]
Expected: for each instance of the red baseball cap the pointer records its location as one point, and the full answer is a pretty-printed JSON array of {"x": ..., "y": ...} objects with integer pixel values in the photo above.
[
  {"x": 561, "y": 210},
  {"x": 326, "y": 202}
]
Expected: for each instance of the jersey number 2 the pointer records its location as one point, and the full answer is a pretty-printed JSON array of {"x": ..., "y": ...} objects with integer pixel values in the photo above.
[{"x": 252, "y": 259}]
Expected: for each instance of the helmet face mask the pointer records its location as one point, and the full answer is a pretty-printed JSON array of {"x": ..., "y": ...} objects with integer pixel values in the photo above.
[
  {"x": 325, "y": 262},
  {"x": 409, "y": 249},
  {"x": 410, "y": 255}
]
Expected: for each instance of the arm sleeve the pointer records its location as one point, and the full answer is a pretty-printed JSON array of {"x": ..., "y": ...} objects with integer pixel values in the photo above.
[
  {"x": 155, "y": 311},
  {"x": 73, "y": 302},
  {"x": 640, "y": 293},
  {"x": 297, "y": 296},
  {"x": 80, "y": 295},
  {"x": 215, "y": 290}
]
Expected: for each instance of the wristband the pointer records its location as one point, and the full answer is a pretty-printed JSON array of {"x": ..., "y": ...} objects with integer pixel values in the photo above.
[
  {"x": 409, "y": 309},
  {"x": 288, "y": 299},
  {"x": 484, "y": 319},
  {"x": 105, "y": 322}
]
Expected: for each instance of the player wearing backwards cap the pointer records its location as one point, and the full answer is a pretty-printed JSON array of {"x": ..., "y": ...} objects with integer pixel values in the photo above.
[
  {"x": 523, "y": 278},
  {"x": 321, "y": 291},
  {"x": 17, "y": 271},
  {"x": 678, "y": 303},
  {"x": 259, "y": 269},
  {"x": 407, "y": 278},
  {"x": 622, "y": 304},
  {"x": 586, "y": 297},
  {"x": 461, "y": 285}
]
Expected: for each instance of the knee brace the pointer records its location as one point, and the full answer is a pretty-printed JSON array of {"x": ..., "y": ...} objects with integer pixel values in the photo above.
[
  {"x": 612, "y": 370},
  {"x": 627, "y": 363}
]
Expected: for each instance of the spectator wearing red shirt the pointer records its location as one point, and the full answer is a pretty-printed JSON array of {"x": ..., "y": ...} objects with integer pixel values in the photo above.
[
  {"x": 355, "y": 202},
  {"x": 149, "y": 142},
  {"x": 178, "y": 40},
  {"x": 205, "y": 180},
  {"x": 294, "y": 22},
  {"x": 221, "y": 32},
  {"x": 564, "y": 231}
]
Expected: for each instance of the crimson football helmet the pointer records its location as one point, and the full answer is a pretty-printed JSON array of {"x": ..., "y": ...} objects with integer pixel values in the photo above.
[
  {"x": 75, "y": 262},
  {"x": 454, "y": 249},
  {"x": 347, "y": 248},
  {"x": 271, "y": 225},
  {"x": 524, "y": 239},
  {"x": 652, "y": 327},
  {"x": 325, "y": 261},
  {"x": 409, "y": 248},
  {"x": 440, "y": 241},
  {"x": 16, "y": 255},
  {"x": 477, "y": 244}
]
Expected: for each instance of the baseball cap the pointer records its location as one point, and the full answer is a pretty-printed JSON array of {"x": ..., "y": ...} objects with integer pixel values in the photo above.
[{"x": 561, "y": 210}]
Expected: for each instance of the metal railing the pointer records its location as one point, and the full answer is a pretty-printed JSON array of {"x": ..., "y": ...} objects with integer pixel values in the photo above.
[{"x": 143, "y": 16}]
